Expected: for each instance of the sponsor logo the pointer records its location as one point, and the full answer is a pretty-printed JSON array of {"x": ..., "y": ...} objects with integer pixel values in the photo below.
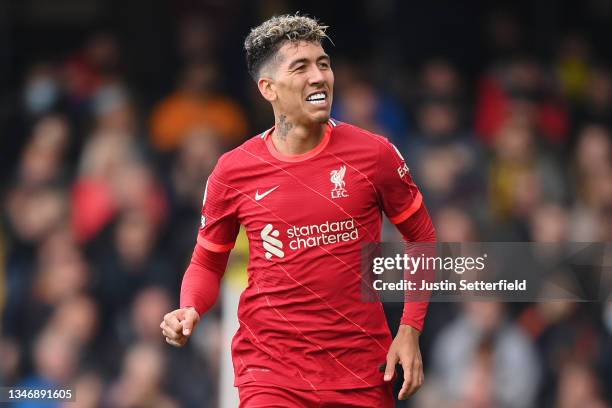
[
  {"x": 308, "y": 236},
  {"x": 272, "y": 245},
  {"x": 265, "y": 193},
  {"x": 403, "y": 169},
  {"x": 328, "y": 232},
  {"x": 337, "y": 179}
]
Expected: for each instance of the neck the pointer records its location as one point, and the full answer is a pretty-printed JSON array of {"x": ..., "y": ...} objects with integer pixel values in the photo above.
[{"x": 291, "y": 138}]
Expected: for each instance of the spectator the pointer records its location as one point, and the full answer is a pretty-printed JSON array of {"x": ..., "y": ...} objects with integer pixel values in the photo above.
[
  {"x": 55, "y": 362},
  {"x": 129, "y": 261},
  {"x": 42, "y": 90},
  {"x": 97, "y": 64},
  {"x": 521, "y": 177},
  {"x": 42, "y": 161},
  {"x": 194, "y": 105},
  {"x": 358, "y": 101},
  {"x": 483, "y": 330},
  {"x": 596, "y": 105},
  {"x": 443, "y": 157},
  {"x": 578, "y": 387},
  {"x": 517, "y": 87},
  {"x": 190, "y": 168},
  {"x": 141, "y": 380},
  {"x": 574, "y": 67},
  {"x": 592, "y": 186},
  {"x": 88, "y": 388}
]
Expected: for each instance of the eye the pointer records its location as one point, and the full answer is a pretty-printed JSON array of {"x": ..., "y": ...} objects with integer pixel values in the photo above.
[
  {"x": 300, "y": 68},
  {"x": 324, "y": 65}
]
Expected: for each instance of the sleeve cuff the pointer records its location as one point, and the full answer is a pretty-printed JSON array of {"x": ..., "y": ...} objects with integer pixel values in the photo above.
[
  {"x": 412, "y": 323},
  {"x": 404, "y": 215},
  {"x": 211, "y": 246}
]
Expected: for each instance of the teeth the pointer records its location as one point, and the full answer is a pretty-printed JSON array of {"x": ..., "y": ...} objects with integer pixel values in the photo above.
[{"x": 318, "y": 97}]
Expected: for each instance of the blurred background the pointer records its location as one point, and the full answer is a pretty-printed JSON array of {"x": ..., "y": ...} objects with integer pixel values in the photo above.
[{"x": 113, "y": 113}]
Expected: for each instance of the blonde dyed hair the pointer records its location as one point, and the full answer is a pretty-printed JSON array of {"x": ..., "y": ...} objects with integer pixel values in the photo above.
[{"x": 264, "y": 41}]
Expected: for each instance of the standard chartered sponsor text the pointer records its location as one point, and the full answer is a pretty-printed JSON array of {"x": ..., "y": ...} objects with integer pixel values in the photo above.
[{"x": 309, "y": 236}]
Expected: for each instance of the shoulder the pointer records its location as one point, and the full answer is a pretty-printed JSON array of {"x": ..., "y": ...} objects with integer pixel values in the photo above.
[{"x": 363, "y": 138}]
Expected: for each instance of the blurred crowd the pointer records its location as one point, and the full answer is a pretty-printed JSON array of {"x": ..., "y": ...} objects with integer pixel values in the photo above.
[{"x": 101, "y": 193}]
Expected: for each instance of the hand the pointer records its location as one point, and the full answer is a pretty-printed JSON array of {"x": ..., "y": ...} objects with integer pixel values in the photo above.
[
  {"x": 405, "y": 350},
  {"x": 178, "y": 325}
]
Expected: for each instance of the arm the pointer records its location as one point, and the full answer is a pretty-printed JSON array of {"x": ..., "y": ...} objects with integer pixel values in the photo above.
[
  {"x": 405, "y": 347},
  {"x": 200, "y": 288},
  {"x": 199, "y": 292},
  {"x": 419, "y": 229},
  {"x": 402, "y": 202}
]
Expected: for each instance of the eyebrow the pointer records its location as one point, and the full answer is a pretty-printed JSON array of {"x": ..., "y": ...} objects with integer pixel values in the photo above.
[{"x": 303, "y": 60}]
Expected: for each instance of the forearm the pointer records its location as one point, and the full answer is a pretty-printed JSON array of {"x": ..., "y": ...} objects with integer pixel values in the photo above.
[
  {"x": 418, "y": 229},
  {"x": 200, "y": 286}
]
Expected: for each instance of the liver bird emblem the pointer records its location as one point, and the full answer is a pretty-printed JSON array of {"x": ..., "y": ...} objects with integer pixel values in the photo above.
[{"x": 337, "y": 177}]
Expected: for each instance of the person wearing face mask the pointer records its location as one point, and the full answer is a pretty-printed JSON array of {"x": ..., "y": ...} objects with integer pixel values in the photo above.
[{"x": 41, "y": 92}]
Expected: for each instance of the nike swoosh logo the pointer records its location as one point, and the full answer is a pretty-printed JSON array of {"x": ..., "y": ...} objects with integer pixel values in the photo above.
[{"x": 260, "y": 196}]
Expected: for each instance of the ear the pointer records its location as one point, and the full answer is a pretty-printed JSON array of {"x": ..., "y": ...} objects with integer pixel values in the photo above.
[{"x": 267, "y": 89}]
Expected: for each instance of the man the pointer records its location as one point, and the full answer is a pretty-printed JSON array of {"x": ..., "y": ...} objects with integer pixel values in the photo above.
[{"x": 309, "y": 192}]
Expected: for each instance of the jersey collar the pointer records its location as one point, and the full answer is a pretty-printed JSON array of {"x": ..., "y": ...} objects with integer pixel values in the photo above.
[{"x": 303, "y": 156}]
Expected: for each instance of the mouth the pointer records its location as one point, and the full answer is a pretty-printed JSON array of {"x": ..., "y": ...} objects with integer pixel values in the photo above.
[{"x": 317, "y": 98}]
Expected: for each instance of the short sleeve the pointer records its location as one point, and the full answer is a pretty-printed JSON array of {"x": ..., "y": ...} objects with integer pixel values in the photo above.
[
  {"x": 399, "y": 195},
  {"x": 219, "y": 224}
]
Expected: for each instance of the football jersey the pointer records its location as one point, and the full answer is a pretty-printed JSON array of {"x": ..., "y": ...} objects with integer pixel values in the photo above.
[{"x": 303, "y": 320}]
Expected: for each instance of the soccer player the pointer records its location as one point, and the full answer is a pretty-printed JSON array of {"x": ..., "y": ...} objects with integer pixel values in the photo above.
[{"x": 309, "y": 192}]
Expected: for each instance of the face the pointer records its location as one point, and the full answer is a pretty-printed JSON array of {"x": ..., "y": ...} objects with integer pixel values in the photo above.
[{"x": 299, "y": 82}]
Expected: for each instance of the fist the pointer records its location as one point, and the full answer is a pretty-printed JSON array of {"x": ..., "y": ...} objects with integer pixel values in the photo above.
[{"x": 178, "y": 325}]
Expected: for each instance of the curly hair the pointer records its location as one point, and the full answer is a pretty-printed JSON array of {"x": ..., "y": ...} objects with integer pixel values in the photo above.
[{"x": 265, "y": 40}]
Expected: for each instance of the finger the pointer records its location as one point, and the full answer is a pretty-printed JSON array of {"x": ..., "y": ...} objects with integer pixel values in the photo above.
[
  {"x": 172, "y": 322},
  {"x": 188, "y": 323},
  {"x": 407, "y": 365},
  {"x": 174, "y": 343},
  {"x": 413, "y": 379},
  {"x": 392, "y": 360},
  {"x": 172, "y": 334},
  {"x": 166, "y": 329},
  {"x": 417, "y": 374},
  {"x": 403, "y": 394},
  {"x": 411, "y": 388},
  {"x": 418, "y": 378}
]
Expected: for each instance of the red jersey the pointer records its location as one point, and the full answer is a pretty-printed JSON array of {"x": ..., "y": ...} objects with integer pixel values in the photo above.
[{"x": 303, "y": 322}]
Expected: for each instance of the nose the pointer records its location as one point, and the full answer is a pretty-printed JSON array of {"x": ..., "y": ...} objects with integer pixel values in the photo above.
[{"x": 316, "y": 76}]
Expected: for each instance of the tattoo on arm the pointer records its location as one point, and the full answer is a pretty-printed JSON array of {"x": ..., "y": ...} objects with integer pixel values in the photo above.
[{"x": 283, "y": 127}]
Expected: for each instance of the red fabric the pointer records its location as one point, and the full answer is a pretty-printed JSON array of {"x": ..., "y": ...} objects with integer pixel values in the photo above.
[
  {"x": 493, "y": 109},
  {"x": 269, "y": 396},
  {"x": 304, "y": 323},
  {"x": 418, "y": 228},
  {"x": 93, "y": 207},
  {"x": 83, "y": 80},
  {"x": 554, "y": 121},
  {"x": 416, "y": 204},
  {"x": 200, "y": 287}
]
